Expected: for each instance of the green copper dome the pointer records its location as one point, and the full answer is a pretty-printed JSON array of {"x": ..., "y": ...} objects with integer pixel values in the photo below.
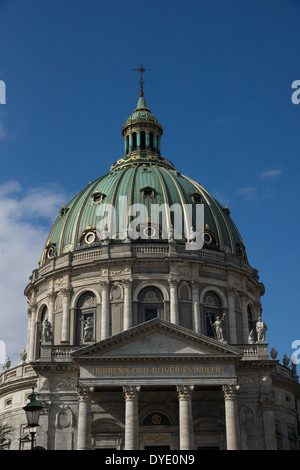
[{"x": 142, "y": 177}]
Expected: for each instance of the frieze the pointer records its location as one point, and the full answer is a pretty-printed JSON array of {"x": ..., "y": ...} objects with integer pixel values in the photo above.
[{"x": 161, "y": 371}]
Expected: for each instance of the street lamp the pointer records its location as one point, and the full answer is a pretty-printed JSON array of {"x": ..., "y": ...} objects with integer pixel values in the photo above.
[{"x": 32, "y": 410}]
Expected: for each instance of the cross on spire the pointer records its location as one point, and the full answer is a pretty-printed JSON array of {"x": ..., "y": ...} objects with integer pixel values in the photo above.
[{"x": 141, "y": 70}]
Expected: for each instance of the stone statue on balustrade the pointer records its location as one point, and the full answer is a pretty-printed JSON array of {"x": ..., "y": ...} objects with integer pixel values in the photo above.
[
  {"x": 261, "y": 329},
  {"x": 218, "y": 326},
  {"x": 46, "y": 333}
]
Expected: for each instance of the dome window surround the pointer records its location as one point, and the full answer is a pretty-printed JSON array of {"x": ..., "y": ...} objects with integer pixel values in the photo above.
[
  {"x": 63, "y": 211},
  {"x": 148, "y": 192},
  {"x": 241, "y": 251},
  {"x": 98, "y": 197},
  {"x": 89, "y": 236},
  {"x": 50, "y": 250},
  {"x": 196, "y": 197},
  {"x": 209, "y": 237}
]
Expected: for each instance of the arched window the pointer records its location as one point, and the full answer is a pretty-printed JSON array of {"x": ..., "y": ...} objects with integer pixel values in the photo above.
[
  {"x": 251, "y": 321},
  {"x": 134, "y": 141},
  {"x": 86, "y": 316},
  {"x": 127, "y": 145},
  {"x": 185, "y": 306},
  {"x": 156, "y": 419},
  {"x": 150, "y": 304},
  {"x": 143, "y": 140},
  {"x": 212, "y": 309},
  {"x": 151, "y": 144}
]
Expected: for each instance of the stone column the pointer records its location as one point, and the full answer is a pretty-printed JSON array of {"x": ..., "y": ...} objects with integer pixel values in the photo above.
[
  {"x": 174, "y": 316},
  {"x": 196, "y": 307},
  {"x": 233, "y": 435},
  {"x": 131, "y": 417},
  {"x": 31, "y": 339},
  {"x": 105, "y": 310},
  {"x": 232, "y": 317},
  {"x": 65, "y": 327},
  {"x": 245, "y": 322},
  {"x": 84, "y": 418},
  {"x": 51, "y": 299},
  {"x": 186, "y": 434},
  {"x": 267, "y": 403},
  {"x": 127, "y": 304}
]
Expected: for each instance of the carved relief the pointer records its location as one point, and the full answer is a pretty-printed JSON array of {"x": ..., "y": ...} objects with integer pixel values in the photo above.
[{"x": 64, "y": 418}]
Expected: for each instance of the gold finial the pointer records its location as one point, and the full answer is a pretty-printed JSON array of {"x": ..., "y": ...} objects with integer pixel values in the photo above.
[{"x": 141, "y": 70}]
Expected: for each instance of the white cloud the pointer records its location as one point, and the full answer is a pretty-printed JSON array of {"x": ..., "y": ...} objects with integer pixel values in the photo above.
[
  {"x": 26, "y": 217},
  {"x": 248, "y": 192},
  {"x": 271, "y": 174}
]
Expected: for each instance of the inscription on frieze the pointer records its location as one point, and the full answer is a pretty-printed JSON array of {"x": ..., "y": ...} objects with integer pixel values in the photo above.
[{"x": 160, "y": 371}]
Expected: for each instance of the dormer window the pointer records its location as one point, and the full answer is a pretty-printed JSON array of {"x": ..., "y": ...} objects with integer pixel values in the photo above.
[
  {"x": 148, "y": 191},
  {"x": 196, "y": 198},
  {"x": 63, "y": 211},
  {"x": 97, "y": 198}
]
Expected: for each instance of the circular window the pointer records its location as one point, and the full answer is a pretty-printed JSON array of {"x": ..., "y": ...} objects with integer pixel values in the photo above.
[
  {"x": 50, "y": 252},
  {"x": 90, "y": 237},
  {"x": 207, "y": 238},
  {"x": 149, "y": 232}
]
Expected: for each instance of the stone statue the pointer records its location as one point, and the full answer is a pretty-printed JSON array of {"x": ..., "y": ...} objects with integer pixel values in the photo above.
[
  {"x": 6, "y": 364},
  {"x": 273, "y": 353},
  {"x": 87, "y": 330},
  {"x": 251, "y": 337},
  {"x": 261, "y": 329},
  {"x": 218, "y": 326},
  {"x": 23, "y": 356},
  {"x": 46, "y": 333},
  {"x": 286, "y": 360}
]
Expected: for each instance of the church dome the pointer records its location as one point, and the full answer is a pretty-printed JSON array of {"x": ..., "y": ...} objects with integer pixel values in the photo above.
[{"x": 142, "y": 177}]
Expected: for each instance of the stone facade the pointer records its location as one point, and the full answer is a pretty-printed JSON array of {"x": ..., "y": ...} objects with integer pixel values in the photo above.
[
  {"x": 128, "y": 383},
  {"x": 144, "y": 344}
]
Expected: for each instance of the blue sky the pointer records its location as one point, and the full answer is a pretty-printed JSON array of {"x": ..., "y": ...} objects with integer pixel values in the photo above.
[{"x": 220, "y": 84}]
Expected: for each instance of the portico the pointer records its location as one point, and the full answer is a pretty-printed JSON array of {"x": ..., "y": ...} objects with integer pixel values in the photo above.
[{"x": 162, "y": 397}]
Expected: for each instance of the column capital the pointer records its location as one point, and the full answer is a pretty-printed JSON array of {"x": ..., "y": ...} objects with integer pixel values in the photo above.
[
  {"x": 173, "y": 282},
  {"x": 32, "y": 306},
  {"x": 131, "y": 392},
  {"x": 104, "y": 283},
  {"x": 230, "y": 391},
  {"x": 127, "y": 282},
  {"x": 185, "y": 391},
  {"x": 267, "y": 402},
  {"x": 65, "y": 291},
  {"x": 84, "y": 393},
  {"x": 51, "y": 296}
]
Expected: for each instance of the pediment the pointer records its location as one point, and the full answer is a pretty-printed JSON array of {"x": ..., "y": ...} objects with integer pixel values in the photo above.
[{"x": 157, "y": 338}]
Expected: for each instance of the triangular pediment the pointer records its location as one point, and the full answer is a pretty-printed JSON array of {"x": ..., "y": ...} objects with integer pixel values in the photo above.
[{"x": 157, "y": 338}]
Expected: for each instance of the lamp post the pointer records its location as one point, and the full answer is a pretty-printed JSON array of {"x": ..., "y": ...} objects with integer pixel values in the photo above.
[{"x": 32, "y": 410}]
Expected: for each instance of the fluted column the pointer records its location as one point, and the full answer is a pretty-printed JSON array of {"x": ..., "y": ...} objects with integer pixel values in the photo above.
[
  {"x": 245, "y": 322},
  {"x": 105, "y": 310},
  {"x": 233, "y": 436},
  {"x": 232, "y": 317},
  {"x": 51, "y": 299},
  {"x": 267, "y": 403},
  {"x": 174, "y": 315},
  {"x": 84, "y": 418},
  {"x": 196, "y": 307},
  {"x": 131, "y": 417},
  {"x": 186, "y": 434},
  {"x": 31, "y": 339},
  {"x": 65, "y": 327},
  {"x": 127, "y": 304}
]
